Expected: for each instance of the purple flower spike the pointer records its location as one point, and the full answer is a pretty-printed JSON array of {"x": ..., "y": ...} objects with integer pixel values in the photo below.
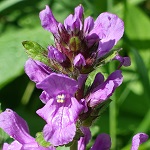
[
  {"x": 103, "y": 142},
  {"x": 103, "y": 91},
  {"x": 48, "y": 21},
  {"x": 138, "y": 139},
  {"x": 36, "y": 70},
  {"x": 79, "y": 61},
  {"x": 61, "y": 110},
  {"x": 55, "y": 54},
  {"x": 17, "y": 128}
]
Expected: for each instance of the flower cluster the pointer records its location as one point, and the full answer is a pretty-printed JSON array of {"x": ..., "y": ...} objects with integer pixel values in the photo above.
[{"x": 61, "y": 71}]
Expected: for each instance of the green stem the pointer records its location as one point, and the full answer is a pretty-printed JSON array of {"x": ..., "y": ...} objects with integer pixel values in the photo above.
[
  {"x": 28, "y": 92},
  {"x": 113, "y": 122},
  {"x": 74, "y": 146},
  {"x": 109, "y": 5}
]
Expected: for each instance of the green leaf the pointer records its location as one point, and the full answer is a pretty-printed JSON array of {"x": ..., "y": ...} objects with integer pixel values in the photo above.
[
  {"x": 142, "y": 71},
  {"x": 108, "y": 57},
  {"x": 137, "y": 27},
  {"x": 36, "y": 51},
  {"x": 12, "y": 54},
  {"x": 7, "y": 3}
]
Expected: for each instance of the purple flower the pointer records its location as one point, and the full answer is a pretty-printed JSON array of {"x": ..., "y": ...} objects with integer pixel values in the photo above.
[
  {"x": 61, "y": 110},
  {"x": 84, "y": 41},
  {"x": 17, "y": 128},
  {"x": 79, "y": 61},
  {"x": 36, "y": 70},
  {"x": 101, "y": 90},
  {"x": 125, "y": 61},
  {"x": 53, "y": 53},
  {"x": 138, "y": 139},
  {"x": 103, "y": 141},
  {"x": 85, "y": 139}
]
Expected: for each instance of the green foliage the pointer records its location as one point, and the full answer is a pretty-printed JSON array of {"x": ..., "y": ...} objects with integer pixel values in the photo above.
[
  {"x": 19, "y": 22},
  {"x": 36, "y": 51}
]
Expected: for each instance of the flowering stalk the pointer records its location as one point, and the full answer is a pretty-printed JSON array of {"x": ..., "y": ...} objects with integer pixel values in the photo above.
[{"x": 61, "y": 70}]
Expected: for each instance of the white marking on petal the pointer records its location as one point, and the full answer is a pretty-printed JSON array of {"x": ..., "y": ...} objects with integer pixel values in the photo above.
[{"x": 60, "y": 98}]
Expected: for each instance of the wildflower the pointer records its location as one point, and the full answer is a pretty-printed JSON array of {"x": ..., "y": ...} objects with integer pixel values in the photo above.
[
  {"x": 36, "y": 70},
  {"x": 101, "y": 90},
  {"x": 103, "y": 141},
  {"x": 84, "y": 42},
  {"x": 17, "y": 128},
  {"x": 62, "y": 109}
]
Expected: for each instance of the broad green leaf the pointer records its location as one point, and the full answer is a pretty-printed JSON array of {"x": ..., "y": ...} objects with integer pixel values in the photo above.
[
  {"x": 7, "y": 3},
  {"x": 12, "y": 54},
  {"x": 142, "y": 71},
  {"x": 137, "y": 27}
]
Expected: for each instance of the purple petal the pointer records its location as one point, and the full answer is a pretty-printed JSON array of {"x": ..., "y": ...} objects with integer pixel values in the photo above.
[
  {"x": 15, "y": 126},
  {"x": 84, "y": 140},
  {"x": 103, "y": 142},
  {"x": 125, "y": 61},
  {"x": 138, "y": 139},
  {"x": 55, "y": 54},
  {"x": 44, "y": 97},
  {"x": 54, "y": 84},
  {"x": 79, "y": 12},
  {"x": 88, "y": 25},
  {"x": 92, "y": 39},
  {"x": 36, "y": 70},
  {"x": 99, "y": 79},
  {"x": 61, "y": 119},
  {"x": 110, "y": 29},
  {"x": 106, "y": 89},
  {"x": 74, "y": 22},
  {"x": 104, "y": 48},
  {"x": 48, "y": 21},
  {"x": 81, "y": 80},
  {"x": 79, "y": 61},
  {"x": 15, "y": 145},
  {"x": 35, "y": 146}
]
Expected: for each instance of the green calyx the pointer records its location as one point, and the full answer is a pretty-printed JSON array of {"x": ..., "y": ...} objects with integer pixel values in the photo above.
[
  {"x": 75, "y": 43},
  {"x": 41, "y": 141}
]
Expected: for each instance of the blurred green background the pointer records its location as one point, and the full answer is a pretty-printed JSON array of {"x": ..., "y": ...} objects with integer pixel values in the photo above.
[{"x": 129, "y": 112}]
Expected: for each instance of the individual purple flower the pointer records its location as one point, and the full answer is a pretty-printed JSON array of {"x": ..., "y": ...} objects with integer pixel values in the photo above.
[
  {"x": 104, "y": 89},
  {"x": 102, "y": 142},
  {"x": 61, "y": 110},
  {"x": 125, "y": 61},
  {"x": 85, "y": 139},
  {"x": 138, "y": 139},
  {"x": 36, "y": 70},
  {"x": 79, "y": 61},
  {"x": 47, "y": 18},
  {"x": 17, "y": 128},
  {"x": 53, "y": 53},
  {"x": 92, "y": 39}
]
